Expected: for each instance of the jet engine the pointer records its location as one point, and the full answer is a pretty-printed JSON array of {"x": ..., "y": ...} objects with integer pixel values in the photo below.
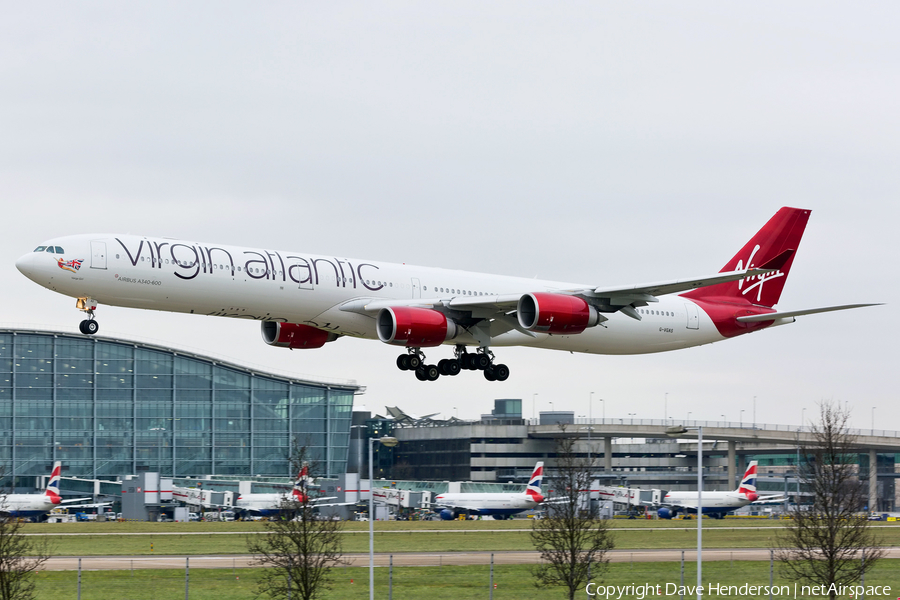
[
  {"x": 667, "y": 513},
  {"x": 414, "y": 327},
  {"x": 555, "y": 313},
  {"x": 294, "y": 335},
  {"x": 446, "y": 514}
]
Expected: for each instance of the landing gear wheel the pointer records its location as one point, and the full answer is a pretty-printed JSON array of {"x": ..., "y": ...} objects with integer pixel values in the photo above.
[
  {"x": 403, "y": 362},
  {"x": 420, "y": 374},
  {"x": 501, "y": 372},
  {"x": 89, "y": 327},
  {"x": 431, "y": 372},
  {"x": 442, "y": 366},
  {"x": 489, "y": 374},
  {"x": 471, "y": 362},
  {"x": 482, "y": 361},
  {"x": 414, "y": 361},
  {"x": 452, "y": 367}
]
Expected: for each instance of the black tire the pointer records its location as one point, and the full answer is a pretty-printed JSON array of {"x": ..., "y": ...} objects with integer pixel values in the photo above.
[
  {"x": 403, "y": 362},
  {"x": 442, "y": 366},
  {"x": 501, "y": 372},
  {"x": 471, "y": 360},
  {"x": 452, "y": 367},
  {"x": 414, "y": 362},
  {"x": 89, "y": 327},
  {"x": 482, "y": 361},
  {"x": 431, "y": 372},
  {"x": 489, "y": 375},
  {"x": 420, "y": 374}
]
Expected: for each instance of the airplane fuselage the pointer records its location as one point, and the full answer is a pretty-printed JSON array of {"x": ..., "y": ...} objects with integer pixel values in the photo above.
[
  {"x": 487, "y": 504},
  {"x": 293, "y": 287}
]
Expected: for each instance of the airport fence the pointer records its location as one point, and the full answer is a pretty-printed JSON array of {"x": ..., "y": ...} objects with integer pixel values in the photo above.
[{"x": 441, "y": 577}]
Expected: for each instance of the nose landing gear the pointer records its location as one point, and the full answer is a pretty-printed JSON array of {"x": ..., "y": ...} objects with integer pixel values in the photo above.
[{"x": 89, "y": 326}]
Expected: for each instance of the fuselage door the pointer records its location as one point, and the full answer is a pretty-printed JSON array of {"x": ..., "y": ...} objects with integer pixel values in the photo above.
[
  {"x": 693, "y": 315},
  {"x": 98, "y": 255},
  {"x": 416, "y": 288}
]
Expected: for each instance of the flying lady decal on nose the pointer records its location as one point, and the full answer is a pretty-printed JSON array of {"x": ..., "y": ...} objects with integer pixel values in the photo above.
[{"x": 70, "y": 265}]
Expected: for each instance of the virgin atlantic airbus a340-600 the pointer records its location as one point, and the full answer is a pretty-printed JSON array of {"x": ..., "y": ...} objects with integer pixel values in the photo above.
[{"x": 306, "y": 300}]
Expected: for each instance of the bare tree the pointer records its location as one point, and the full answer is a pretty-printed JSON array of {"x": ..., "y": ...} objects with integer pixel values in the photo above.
[
  {"x": 829, "y": 542},
  {"x": 20, "y": 557},
  {"x": 299, "y": 547},
  {"x": 572, "y": 541}
]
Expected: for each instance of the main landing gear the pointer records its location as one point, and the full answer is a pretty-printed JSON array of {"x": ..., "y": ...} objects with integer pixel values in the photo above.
[
  {"x": 89, "y": 326},
  {"x": 483, "y": 360}
]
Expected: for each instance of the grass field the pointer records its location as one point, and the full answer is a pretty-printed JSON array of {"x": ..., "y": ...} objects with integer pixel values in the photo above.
[
  {"x": 433, "y": 583},
  {"x": 429, "y": 536}
]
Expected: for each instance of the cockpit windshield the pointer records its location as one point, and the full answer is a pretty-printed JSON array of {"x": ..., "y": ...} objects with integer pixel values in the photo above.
[
  {"x": 40, "y": 248},
  {"x": 50, "y": 249}
]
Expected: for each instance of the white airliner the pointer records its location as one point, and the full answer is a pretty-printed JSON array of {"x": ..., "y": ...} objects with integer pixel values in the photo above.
[
  {"x": 498, "y": 505},
  {"x": 269, "y": 505},
  {"x": 305, "y": 300},
  {"x": 717, "y": 504},
  {"x": 37, "y": 505}
]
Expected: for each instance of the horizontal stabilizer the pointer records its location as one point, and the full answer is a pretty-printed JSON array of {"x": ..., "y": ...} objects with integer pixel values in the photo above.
[{"x": 797, "y": 313}]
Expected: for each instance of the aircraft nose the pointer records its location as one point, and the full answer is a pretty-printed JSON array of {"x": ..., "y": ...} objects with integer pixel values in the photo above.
[{"x": 25, "y": 265}]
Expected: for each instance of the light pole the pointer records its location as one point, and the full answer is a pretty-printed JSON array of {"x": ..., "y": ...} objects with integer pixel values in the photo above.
[
  {"x": 873, "y": 420},
  {"x": 742, "y": 419},
  {"x": 754, "y": 412},
  {"x": 665, "y": 408},
  {"x": 689, "y": 416},
  {"x": 802, "y": 417},
  {"x": 675, "y": 432},
  {"x": 632, "y": 415},
  {"x": 389, "y": 442},
  {"x": 533, "y": 396}
]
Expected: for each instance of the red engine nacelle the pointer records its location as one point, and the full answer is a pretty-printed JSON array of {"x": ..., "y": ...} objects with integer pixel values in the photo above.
[
  {"x": 414, "y": 327},
  {"x": 294, "y": 335},
  {"x": 555, "y": 313}
]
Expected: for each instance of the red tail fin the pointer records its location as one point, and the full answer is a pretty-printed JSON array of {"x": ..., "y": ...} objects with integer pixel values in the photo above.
[{"x": 778, "y": 239}]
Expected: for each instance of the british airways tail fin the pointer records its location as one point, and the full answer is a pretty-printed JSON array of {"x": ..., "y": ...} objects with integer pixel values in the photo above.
[
  {"x": 534, "y": 484},
  {"x": 773, "y": 246},
  {"x": 748, "y": 483},
  {"x": 53, "y": 485}
]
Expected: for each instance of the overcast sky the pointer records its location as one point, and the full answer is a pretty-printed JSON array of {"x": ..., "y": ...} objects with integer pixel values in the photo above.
[{"x": 602, "y": 142}]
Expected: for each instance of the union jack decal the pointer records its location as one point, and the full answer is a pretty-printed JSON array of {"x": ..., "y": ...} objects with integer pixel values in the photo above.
[{"x": 70, "y": 265}]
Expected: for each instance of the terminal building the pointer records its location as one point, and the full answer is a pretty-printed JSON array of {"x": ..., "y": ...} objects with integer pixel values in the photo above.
[{"x": 109, "y": 407}]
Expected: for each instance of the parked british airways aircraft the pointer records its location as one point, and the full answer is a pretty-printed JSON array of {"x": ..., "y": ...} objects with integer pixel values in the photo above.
[
  {"x": 269, "y": 505},
  {"x": 37, "y": 505},
  {"x": 498, "y": 504},
  {"x": 717, "y": 504},
  {"x": 306, "y": 301}
]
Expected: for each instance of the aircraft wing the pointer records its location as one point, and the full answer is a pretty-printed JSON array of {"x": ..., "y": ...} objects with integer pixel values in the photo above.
[
  {"x": 605, "y": 299},
  {"x": 74, "y": 500}
]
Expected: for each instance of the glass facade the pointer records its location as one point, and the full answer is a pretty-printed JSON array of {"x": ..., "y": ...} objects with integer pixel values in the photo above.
[{"x": 107, "y": 408}]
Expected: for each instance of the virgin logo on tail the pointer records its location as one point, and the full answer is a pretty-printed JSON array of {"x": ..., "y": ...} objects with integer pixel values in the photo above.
[{"x": 760, "y": 279}]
